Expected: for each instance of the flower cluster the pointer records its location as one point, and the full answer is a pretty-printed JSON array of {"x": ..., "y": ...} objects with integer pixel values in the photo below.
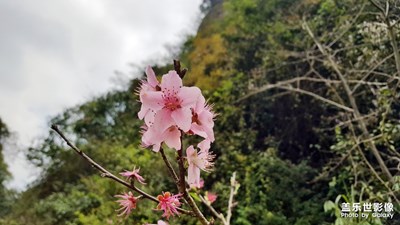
[{"x": 169, "y": 108}]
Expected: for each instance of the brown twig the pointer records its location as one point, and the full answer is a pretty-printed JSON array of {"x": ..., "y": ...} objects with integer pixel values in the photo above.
[
  {"x": 213, "y": 211},
  {"x": 231, "y": 204},
  {"x": 108, "y": 174},
  {"x": 170, "y": 168},
  {"x": 177, "y": 67}
]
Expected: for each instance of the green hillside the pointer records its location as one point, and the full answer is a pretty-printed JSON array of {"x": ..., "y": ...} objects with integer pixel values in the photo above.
[{"x": 307, "y": 97}]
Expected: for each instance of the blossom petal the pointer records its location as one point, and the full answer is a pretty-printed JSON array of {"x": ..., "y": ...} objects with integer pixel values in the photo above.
[
  {"x": 182, "y": 118},
  {"x": 204, "y": 145},
  {"x": 190, "y": 154},
  {"x": 163, "y": 120},
  {"x": 151, "y": 77},
  {"x": 143, "y": 111},
  {"x": 172, "y": 138},
  {"x": 171, "y": 82},
  {"x": 149, "y": 117},
  {"x": 152, "y": 99},
  {"x": 200, "y": 104},
  {"x": 189, "y": 96},
  {"x": 152, "y": 137},
  {"x": 197, "y": 129},
  {"x": 193, "y": 175}
]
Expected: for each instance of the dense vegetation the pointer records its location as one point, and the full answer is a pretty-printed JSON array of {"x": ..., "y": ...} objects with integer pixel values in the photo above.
[{"x": 278, "y": 73}]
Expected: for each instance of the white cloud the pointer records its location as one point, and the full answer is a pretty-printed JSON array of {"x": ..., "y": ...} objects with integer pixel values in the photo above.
[{"x": 56, "y": 54}]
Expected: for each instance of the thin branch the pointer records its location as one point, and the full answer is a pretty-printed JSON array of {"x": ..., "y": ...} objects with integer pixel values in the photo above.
[
  {"x": 372, "y": 71},
  {"x": 281, "y": 85},
  {"x": 356, "y": 112},
  {"x": 354, "y": 20},
  {"x": 325, "y": 174},
  {"x": 371, "y": 115},
  {"x": 108, "y": 174},
  {"x": 170, "y": 168},
  {"x": 317, "y": 97},
  {"x": 370, "y": 166},
  {"x": 213, "y": 211},
  {"x": 230, "y": 202},
  {"x": 284, "y": 85}
]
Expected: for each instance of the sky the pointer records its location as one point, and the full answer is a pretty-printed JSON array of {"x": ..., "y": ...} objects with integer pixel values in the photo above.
[{"x": 57, "y": 54}]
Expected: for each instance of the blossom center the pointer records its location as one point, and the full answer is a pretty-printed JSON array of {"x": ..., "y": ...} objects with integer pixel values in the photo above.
[
  {"x": 171, "y": 102},
  {"x": 132, "y": 199}
]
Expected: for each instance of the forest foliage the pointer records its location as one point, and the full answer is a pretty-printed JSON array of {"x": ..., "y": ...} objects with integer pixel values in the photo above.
[{"x": 307, "y": 97}]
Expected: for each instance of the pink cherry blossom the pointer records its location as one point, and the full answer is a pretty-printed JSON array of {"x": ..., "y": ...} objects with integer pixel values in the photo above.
[
  {"x": 127, "y": 202},
  {"x": 201, "y": 160},
  {"x": 166, "y": 110},
  {"x": 169, "y": 204},
  {"x": 134, "y": 174},
  {"x": 202, "y": 120},
  {"x": 211, "y": 197}
]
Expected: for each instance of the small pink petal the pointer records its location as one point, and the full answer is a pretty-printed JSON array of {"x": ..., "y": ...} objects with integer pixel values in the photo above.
[
  {"x": 152, "y": 100},
  {"x": 211, "y": 197},
  {"x": 182, "y": 118},
  {"x": 172, "y": 137},
  {"x": 201, "y": 102},
  {"x": 193, "y": 176},
  {"x": 190, "y": 153},
  {"x": 189, "y": 96},
  {"x": 198, "y": 130},
  {"x": 149, "y": 117},
  {"x": 143, "y": 111},
  {"x": 204, "y": 145},
  {"x": 151, "y": 77},
  {"x": 171, "y": 82},
  {"x": 163, "y": 120},
  {"x": 156, "y": 147}
]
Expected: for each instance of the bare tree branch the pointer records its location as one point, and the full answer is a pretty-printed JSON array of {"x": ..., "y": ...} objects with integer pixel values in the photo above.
[
  {"x": 356, "y": 112},
  {"x": 284, "y": 85},
  {"x": 170, "y": 168},
  {"x": 230, "y": 202}
]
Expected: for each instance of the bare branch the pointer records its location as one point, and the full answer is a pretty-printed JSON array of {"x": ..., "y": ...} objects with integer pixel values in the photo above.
[
  {"x": 170, "y": 168},
  {"x": 230, "y": 202},
  {"x": 284, "y": 85},
  {"x": 356, "y": 112},
  {"x": 213, "y": 211}
]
